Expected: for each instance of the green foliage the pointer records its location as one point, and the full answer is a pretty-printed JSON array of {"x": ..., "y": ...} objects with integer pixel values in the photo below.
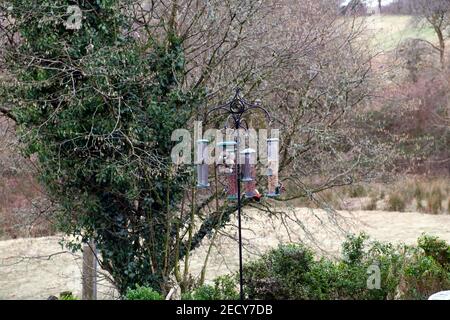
[
  {"x": 426, "y": 268},
  {"x": 97, "y": 108},
  {"x": 277, "y": 273},
  {"x": 370, "y": 254},
  {"x": 224, "y": 288},
  {"x": 423, "y": 276},
  {"x": 438, "y": 249},
  {"x": 291, "y": 272},
  {"x": 353, "y": 248},
  {"x": 359, "y": 255},
  {"x": 396, "y": 203},
  {"x": 67, "y": 295},
  {"x": 143, "y": 293}
]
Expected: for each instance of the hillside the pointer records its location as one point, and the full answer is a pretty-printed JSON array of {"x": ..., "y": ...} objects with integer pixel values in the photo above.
[{"x": 390, "y": 30}]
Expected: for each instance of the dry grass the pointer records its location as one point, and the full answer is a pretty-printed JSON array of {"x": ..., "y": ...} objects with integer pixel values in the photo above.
[
  {"x": 426, "y": 195},
  {"x": 396, "y": 202},
  {"x": 410, "y": 193}
]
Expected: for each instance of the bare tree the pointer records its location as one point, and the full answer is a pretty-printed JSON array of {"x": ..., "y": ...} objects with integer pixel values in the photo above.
[
  {"x": 437, "y": 14},
  {"x": 303, "y": 59}
]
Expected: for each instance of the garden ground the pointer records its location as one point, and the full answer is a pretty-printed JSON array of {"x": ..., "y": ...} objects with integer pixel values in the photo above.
[{"x": 36, "y": 268}]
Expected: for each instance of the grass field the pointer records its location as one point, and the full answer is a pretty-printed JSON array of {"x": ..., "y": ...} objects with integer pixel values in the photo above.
[{"x": 389, "y": 31}]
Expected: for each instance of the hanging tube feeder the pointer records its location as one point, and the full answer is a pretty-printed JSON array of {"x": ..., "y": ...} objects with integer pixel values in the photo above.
[
  {"x": 202, "y": 164},
  {"x": 228, "y": 157},
  {"x": 272, "y": 168},
  {"x": 249, "y": 173}
]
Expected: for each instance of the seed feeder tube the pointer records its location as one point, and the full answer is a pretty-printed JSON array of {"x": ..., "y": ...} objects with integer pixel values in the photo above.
[
  {"x": 272, "y": 168},
  {"x": 228, "y": 157},
  {"x": 249, "y": 172},
  {"x": 202, "y": 165}
]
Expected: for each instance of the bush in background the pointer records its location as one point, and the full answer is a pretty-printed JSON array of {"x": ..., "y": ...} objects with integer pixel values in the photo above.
[
  {"x": 281, "y": 274},
  {"x": 292, "y": 272},
  {"x": 406, "y": 272},
  {"x": 224, "y": 288},
  {"x": 67, "y": 295},
  {"x": 438, "y": 249},
  {"x": 143, "y": 293}
]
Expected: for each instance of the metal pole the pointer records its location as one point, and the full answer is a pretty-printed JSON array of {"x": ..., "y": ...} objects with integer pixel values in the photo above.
[
  {"x": 236, "y": 109},
  {"x": 241, "y": 279},
  {"x": 238, "y": 179}
]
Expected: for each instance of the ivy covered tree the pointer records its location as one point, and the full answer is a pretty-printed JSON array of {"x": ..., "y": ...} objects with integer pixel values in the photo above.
[
  {"x": 97, "y": 103},
  {"x": 97, "y": 109}
]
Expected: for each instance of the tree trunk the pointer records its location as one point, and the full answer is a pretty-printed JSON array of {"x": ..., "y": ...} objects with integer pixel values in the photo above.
[
  {"x": 441, "y": 46},
  {"x": 89, "y": 277}
]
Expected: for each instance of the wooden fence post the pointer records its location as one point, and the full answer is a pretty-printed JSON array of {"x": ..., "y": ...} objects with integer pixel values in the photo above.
[{"x": 89, "y": 276}]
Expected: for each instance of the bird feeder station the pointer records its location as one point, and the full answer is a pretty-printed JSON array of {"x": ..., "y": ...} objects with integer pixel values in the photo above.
[
  {"x": 202, "y": 164},
  {"x": 238, "y": 110},
  {"x": 228, "y": 159},
  {"x": 249, "y": 172},
  {"x": 272, "y": 167}
]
